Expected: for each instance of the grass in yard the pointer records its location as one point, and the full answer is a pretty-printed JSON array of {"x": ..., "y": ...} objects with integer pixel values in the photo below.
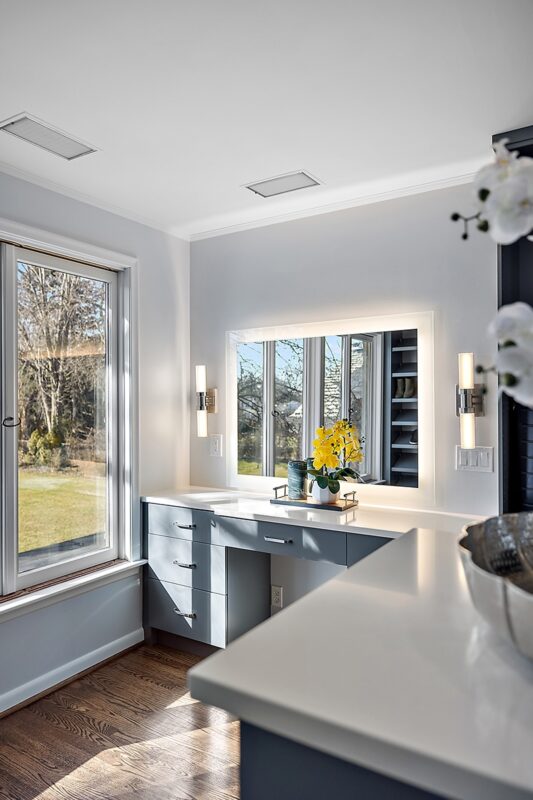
[
  {"x": 255, "y": 467},
  {"x": 249, "y": 467},
  {"x": 58, "y": 506}
]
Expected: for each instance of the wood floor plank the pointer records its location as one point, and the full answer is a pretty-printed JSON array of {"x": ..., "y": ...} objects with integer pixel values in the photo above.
[{"x": 127, "y": 731}]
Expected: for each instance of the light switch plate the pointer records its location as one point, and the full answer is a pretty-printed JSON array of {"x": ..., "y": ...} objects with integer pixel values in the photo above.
[
  {"x": 479, "y": 459},
  {"x": 215, "y": 445}
]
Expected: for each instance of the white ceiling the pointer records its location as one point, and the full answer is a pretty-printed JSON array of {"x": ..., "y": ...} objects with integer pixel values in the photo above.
[{"x": 187, "y": 100}]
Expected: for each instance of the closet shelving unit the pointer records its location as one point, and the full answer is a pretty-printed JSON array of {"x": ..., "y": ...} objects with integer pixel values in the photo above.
[{"x": 401, "y": 460}]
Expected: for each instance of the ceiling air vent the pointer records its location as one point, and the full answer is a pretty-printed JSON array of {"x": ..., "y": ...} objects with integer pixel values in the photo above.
[
  {"x": 283, "y": 184},
  {"x": 39, "y": 133}
]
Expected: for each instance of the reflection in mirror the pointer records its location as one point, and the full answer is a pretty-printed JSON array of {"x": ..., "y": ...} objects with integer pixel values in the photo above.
[{"x": 289, "y": 387}]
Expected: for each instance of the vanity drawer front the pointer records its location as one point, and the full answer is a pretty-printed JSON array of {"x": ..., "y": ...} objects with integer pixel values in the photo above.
[
  {"x": 280, "y": 539},
  {"x": 321, "y": 545},
  {"x": 206, "y": 612},
  {"x": 233, "y": 532},
  {"x": 181, "y": 523},
  {"x": 359, "y": 546},
  {"x": 194, "y": 564},
  {"x": 264, "y": 537}
]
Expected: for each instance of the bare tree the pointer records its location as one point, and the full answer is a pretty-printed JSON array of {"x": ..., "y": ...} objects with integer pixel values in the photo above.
[{"x": 61, "y": 328}]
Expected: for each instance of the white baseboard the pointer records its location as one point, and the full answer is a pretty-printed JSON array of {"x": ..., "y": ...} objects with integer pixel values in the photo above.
[{"x": 56, "y": 676}]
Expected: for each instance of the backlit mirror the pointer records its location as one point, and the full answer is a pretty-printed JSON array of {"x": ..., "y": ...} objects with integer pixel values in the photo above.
[{"x": 288, "y": 387}]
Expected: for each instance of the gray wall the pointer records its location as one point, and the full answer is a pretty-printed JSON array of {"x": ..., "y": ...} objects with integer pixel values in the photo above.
[
  {"x": 397, "y": 256},
  {"x": 387, "y": 258},
  {"x": 55, "y": 641}
]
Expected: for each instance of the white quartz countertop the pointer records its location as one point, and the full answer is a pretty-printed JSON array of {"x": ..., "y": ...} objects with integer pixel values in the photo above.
[
  {"x": 389, "y": 666},
  {"x": 373, "y": 520}
]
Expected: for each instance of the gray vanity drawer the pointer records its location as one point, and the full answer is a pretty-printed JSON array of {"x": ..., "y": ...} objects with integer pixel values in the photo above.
[
  {"x": 319, "y": 545},
  {"x": 300, "y": 542},
  {"x": 359, "y": 546},
  {"x": 207, "y": 622},
  {"x": 278, "y": 538},
  {"x": 232, "y": 532},
  {"x": 260, "y": 536},
  {"x": 194, "y": 564},
  {"x": 182, "y": 523}
]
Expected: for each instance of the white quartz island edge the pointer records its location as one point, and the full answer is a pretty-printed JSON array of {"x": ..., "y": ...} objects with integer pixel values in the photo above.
[
  {"x": 390, "y": 667},
  {"x": 369, "y": 520}
]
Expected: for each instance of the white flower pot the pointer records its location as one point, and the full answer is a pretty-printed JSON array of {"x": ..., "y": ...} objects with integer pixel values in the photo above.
[{"x": 323, "y": 495}]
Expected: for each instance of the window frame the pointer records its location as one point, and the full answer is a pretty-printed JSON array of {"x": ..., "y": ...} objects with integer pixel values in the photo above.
[
  {"x": 313, "y": 387},
  {"x": 49, "y": 250}
]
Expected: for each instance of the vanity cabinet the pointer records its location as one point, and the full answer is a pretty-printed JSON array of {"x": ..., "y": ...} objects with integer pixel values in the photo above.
[
  {"x": 197, "y": 589},
  {"x": 208, "y": 576}
]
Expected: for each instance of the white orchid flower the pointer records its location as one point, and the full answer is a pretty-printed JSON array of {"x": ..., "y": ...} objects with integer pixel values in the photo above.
[
  {"x": 490, "y": 176},
  {"x": 504, "y": 197},
  {"x": 514, "y": 323},
  {"x": 509, "y": 207},
  {"x": 515, "y": 365}
]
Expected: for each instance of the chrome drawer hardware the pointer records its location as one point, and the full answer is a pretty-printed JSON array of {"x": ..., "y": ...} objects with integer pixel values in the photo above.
[
  {"x": 185, "y": 566},
  {"x": 192, "y": 615},
  {"x": 184, "y": 527},
  {"x": 274, "y": 540}
]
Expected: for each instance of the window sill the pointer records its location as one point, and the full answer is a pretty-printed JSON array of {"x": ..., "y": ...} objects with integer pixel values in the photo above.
[{"x": 46, "y": 596}]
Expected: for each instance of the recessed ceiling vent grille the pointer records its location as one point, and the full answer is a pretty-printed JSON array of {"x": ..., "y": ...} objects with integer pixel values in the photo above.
[
  {"x": 39, "y": 133},
  {"x": 290, "y": 182}
]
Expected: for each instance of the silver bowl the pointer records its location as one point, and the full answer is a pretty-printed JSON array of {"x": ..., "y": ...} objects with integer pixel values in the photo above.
[{"x": 497, "y": 557}]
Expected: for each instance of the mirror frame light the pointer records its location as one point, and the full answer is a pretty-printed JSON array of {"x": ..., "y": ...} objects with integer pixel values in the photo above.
[{"x": 367, "y": 493}]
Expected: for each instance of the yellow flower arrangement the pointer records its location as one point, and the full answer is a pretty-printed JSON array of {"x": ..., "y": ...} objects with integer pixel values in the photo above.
[{"x": 334, "y": 449}]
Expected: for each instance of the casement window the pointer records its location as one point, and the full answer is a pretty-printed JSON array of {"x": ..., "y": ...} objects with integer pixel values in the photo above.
[
  {"x": 288, "y": 387},
  {"x": 61, "y": 457}
]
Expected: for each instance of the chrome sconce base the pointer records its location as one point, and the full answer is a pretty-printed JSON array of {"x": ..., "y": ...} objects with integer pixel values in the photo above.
[
  {"x": 469, "y": 401},
  {"x": 207, "y": 401}
]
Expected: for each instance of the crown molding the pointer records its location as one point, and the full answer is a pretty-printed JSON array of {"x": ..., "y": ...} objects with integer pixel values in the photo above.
[
  {"x": 417, "y": 182},
  {"x": 328, "y": 201}
]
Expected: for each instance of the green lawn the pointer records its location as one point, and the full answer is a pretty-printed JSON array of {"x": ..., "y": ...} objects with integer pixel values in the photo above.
[
  {"x": 254, "y": 468},
  {"x": 249, "y": 467},
  {"x": 58, "y": 506}
]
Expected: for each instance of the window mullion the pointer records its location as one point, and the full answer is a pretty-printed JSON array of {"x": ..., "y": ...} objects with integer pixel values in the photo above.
[
  {"x": 345, "y": 376},
  {"x": 313, "y": 391},
  {"x": 269, "y": 356}
]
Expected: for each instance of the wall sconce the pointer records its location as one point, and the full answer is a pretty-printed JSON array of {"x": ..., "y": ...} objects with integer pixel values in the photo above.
[
  {"x": 206, "y": 401},
  {"x": 468, "y": 401}
]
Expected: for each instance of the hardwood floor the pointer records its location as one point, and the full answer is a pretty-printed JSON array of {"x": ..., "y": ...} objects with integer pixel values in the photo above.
[{"x": 128, "y": 730}]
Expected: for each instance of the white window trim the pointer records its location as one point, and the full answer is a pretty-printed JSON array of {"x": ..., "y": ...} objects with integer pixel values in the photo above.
[
  {"x": 370, "y": 494},
  {"x": 129, "y": 522}
]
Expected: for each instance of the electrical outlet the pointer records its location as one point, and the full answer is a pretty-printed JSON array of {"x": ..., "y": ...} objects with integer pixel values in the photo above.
[
  {"x": 276, "y": 596},
  {"x": 215, "y": 445},
  {"x": 479, "y": 459}
]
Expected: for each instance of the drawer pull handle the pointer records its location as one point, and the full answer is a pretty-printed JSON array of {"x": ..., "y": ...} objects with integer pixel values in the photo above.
[
  {"x": 277, "y": 541},
  {"x": 192, "y": 615},
  {"x": 185, "y": 566},
  {"x": 184, "y": 527}
]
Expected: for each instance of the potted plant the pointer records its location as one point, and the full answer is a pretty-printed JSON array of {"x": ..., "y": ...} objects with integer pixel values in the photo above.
[{"x": 334, "y": 449}]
